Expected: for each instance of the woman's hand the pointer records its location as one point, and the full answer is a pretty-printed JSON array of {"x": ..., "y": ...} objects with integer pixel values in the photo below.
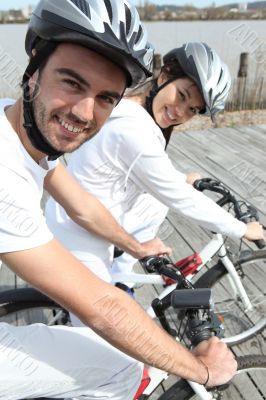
[
  {"x": 192, "y": 177},
  {"x": 254, "y": 231}
]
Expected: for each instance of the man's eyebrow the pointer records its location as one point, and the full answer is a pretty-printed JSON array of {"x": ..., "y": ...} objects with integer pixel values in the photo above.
[
  {"x": 73, "y": 74},
  {"x": 81, "y": 80}
]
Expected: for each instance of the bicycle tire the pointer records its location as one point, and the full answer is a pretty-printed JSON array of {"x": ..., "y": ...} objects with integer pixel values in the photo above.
[
  {"x": 24, "y": 306},
  {"x": 251, "y": 367},
  {"x": 240, "y": 325}
]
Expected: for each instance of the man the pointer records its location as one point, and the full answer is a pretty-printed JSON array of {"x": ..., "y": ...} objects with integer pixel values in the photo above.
[{"x": 82, "y": 56}]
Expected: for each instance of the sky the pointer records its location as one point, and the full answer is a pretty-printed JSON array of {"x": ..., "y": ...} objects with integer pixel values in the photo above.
[{"x": 5, "y": 5}]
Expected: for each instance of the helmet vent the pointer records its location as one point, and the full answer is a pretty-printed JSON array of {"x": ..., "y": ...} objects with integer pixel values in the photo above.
[
  {"x": 128, "y": 19},
  {"x": 140, "y": 33},
  {"x": 83, "y": 6},
  {"x": 108, "y": 6},
  {"x": 220, "y": 77}
]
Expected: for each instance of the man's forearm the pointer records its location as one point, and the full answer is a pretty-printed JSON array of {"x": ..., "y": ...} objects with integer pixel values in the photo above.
[
  {"x": 112, "y": 313},
  {"x": 87, "y": 211},
  {"x": 124, "y": 324},
  {"x": 98, "y": 220},
  {"x": 101, "y": 222}
]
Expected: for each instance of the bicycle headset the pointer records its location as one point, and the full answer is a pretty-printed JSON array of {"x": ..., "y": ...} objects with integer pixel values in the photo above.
[
  {"x": 203, "y": 66},
  {"x": 111, "y": 28}
]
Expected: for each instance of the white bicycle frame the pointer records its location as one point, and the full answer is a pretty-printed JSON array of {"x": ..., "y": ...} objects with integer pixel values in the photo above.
[{"x": 215, "y": 246}]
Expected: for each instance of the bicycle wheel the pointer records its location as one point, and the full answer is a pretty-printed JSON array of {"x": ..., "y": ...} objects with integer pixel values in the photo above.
[
  {"x": 248, "y": 383},
  {"x": 238, "y": 321},
  {"x": 26, "y": 306}
]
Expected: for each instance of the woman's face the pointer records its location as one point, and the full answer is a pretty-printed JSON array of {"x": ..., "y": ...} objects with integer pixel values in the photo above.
[{"x": 177, "y": 102}]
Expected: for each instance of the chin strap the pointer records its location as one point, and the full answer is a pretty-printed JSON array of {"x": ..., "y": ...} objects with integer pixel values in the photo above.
[
  {"x": 34, "y": 134},
  {"x": 149, "y": 99}
]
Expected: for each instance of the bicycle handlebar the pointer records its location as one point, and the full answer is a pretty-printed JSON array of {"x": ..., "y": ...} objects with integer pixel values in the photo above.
[
  {"x": 202, "y": 322},
  {"x": 249, "y": 214}
]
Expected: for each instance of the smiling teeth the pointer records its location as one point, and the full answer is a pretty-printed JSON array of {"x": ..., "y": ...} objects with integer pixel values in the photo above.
[
  {"x": 70, "y": 128},
  {"x": 170, "y": 116}
]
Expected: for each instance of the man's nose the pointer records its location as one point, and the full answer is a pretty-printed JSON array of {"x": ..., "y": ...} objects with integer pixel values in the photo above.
[{"x": 84, "y": 109}]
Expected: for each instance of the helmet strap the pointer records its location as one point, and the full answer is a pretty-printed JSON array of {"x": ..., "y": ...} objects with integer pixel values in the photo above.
[{"x": 34, "y": 134}]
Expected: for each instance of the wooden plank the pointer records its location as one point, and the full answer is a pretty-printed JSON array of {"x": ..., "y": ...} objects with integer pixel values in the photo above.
[{"x": 226, "y": 169}]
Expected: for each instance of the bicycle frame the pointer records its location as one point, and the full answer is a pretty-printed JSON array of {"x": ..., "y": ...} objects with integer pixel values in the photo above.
[{"x": 215, "y": 246}]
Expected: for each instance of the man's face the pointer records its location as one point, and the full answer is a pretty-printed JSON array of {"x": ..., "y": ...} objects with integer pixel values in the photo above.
[{"x": 78, "y": 91}]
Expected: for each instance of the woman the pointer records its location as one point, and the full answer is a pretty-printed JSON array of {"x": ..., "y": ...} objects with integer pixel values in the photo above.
[{"x": 125, "y": 165}]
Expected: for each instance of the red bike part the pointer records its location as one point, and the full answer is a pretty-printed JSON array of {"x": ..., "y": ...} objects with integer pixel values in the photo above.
[
  {"x": 187, "y": 266},
  {"x": 143, "y": 384}
]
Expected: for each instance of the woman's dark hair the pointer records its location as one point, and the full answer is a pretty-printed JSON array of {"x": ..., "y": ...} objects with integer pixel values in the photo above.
[{"x": 173, "y": 71}]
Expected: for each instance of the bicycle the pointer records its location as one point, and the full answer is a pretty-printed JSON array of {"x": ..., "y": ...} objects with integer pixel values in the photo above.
[
  {"x": 25, "y": 299},
  {"x": 197, "y": 322},
  {"x": 231, "y": 278}
]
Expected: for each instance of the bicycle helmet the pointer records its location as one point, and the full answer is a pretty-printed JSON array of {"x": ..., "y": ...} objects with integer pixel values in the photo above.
[
  {"x": 204, "y": 67},
  {"x": 111, "y": 28}
]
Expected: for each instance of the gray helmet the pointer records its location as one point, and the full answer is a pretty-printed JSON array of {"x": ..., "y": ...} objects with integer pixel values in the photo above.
[
  {"x": 109, "y": 27},
  {"x": 203, "y": 65}
]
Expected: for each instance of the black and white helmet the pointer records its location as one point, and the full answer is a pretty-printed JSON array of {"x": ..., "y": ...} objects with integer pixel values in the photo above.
[
  {"x": 109, "y": 27},
  {"x": 203, "y": 65}
]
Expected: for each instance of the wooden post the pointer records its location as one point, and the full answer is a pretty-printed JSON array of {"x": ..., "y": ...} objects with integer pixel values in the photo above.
[
  {"x": 243, "y": 66},
  {"x": 157, "y": 64},
  {"x": 242, "y": 81}
]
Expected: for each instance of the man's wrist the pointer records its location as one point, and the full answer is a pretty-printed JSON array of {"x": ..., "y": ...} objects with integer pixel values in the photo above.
[
  {"x": 206, "y": 381},
  {"x": 132, "y": 246},
  {"x": 138, "y": 252}
]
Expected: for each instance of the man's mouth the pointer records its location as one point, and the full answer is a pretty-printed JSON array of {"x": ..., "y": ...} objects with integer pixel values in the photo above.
[{"x": 70, "y": 127}]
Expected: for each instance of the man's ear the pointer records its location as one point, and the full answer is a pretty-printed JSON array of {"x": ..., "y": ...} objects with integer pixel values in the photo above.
[
  {"x": 33, "y": 82},
  {"x": 33, "y": 52}
]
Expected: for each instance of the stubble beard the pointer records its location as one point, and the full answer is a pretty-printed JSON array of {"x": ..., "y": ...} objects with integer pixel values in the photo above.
[{"x": 42, "y": 118}]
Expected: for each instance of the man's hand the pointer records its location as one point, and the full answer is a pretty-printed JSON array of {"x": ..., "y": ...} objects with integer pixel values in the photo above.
[
  {"x": 218, "y": 358},
  {"x": 151, "y": 248},
  {"x": 254, "y": 231}
]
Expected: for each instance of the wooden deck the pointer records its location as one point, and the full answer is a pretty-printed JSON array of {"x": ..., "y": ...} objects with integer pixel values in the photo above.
[{"x": 237, "y": 157}]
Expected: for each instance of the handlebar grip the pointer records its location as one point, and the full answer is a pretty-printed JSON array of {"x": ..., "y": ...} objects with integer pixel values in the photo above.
[
  {"x": 260, "y": 243},
  {"x": 197, "y": 184}
]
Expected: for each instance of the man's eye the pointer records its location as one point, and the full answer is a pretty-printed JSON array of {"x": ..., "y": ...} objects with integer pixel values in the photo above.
[
  {"x": 71, "y": 83},
  {"x": 107, "y": 99}
]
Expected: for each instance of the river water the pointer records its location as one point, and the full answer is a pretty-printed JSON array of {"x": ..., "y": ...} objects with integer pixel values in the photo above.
[{"x": 229, "y": 38}]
